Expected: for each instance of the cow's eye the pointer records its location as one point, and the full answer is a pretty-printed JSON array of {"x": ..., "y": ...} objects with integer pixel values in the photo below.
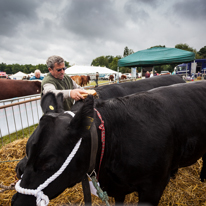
[{"x": 48, "y": 167}]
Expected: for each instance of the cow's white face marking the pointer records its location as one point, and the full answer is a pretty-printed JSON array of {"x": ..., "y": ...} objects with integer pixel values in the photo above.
[{"x": 37, "y": 90}]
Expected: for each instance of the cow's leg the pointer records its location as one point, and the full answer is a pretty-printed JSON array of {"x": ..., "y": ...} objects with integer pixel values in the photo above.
[
  {"x": 150, "y": 193},
  {"x": 86, "y": 191},
  {"x": 203, "y": 171},
  {"x": 173, "y": 173}
]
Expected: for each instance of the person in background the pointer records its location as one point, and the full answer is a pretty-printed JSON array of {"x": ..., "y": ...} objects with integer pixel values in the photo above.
[
  {"x": 155, "y": 73},
  {"x": 151, "y": 74},
  {"x": 59, "y": 82},
  {"x": 114, "y": 77},
  {"x": 97, "y": 78},
  {"x": 147, "y": 75},
  {"x": 37, "y": 75}
]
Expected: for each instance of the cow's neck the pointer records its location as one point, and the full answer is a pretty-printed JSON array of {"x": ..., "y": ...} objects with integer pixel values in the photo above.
[
  {"x": 94, "y": 143},
  {"x": 94, "y": 138}
]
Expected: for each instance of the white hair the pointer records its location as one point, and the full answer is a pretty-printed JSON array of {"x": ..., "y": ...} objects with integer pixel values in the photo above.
[{"x": 37, "y": 71}]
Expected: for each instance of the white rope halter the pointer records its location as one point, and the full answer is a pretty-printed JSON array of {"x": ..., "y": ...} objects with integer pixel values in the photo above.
[
  {"x": 69, "y": 112},
  {"x": 41, "y": 198}
]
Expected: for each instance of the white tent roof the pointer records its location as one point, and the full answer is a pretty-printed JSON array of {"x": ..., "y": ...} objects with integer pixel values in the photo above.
[
  {"x": 18, "y": 75},
  {"x": 83, "y": 70},
  {"x": 31, "y": 74}
]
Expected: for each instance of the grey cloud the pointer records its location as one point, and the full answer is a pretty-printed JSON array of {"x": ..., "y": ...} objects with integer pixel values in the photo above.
[
  {"x": 136, "y": 13},
  {"x": 191, "y": 10},
  {"x": 91, "y": 19},
  {"x": 150, "y": 3},
  {"x": 12, "y": 13},
  {"x": 81, "y": 30},
  {"x": 137, "y": 9}
]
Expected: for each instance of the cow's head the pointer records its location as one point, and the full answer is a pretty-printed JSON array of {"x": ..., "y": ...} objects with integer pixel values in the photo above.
[
  {"x": 36, "y": 86},
  {"x": 50, "y": 145}
]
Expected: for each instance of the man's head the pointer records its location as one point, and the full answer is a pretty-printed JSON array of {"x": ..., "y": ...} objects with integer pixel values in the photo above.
[
  {"x": 37, "y": 73},
  {"x": 56, "y": 66}
]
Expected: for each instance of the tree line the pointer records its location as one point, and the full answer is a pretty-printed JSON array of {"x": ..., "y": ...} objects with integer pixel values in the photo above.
[
  {"x": 27, "y": 68},
  {"x": 109, "y": 61}
]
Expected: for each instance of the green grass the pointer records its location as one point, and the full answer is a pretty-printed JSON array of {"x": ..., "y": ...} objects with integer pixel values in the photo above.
[
  {"x": 93, "y": 83},
  {"x": 18, "y": 135}
]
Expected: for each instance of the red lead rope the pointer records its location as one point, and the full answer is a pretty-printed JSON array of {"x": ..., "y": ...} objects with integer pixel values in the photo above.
[{"x": 101, "y": 127}]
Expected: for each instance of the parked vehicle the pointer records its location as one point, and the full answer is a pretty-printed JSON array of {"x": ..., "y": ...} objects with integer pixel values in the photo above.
[
  {"x": 3, "y": 75},
  {"x": 192, "y": 67},
  {"x": 101, "y": 76},
  {"x": 165, "y": 72},
  {"x": 106, "y": 77},
  {"x": 128, "y": 75}
]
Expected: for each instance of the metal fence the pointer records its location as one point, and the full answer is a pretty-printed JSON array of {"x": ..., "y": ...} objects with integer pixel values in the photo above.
[{"x": 19, "y": 113}]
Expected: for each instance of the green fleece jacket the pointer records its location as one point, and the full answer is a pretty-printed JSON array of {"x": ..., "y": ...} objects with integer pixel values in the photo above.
[{"x": 59, "y": 84}]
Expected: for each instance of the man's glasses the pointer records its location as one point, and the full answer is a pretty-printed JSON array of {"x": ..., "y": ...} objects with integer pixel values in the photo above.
[{"x": 61, "y": 69}]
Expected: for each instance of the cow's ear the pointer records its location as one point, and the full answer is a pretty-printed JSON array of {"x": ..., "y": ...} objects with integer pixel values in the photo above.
[
  {"x": 83, "y": 119},
  {"x": 60, "y": 100},
  {"x": 49, "y": 103}
]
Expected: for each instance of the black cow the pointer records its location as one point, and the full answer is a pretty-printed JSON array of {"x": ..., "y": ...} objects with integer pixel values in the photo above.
[
  {"x": 126, "y": 88},
  {"x": 148, "y": 136},
  {"x": 120, "y": 90}
]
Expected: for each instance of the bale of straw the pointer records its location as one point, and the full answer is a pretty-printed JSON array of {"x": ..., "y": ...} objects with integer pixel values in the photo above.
[{"x": 186, "y": 189}]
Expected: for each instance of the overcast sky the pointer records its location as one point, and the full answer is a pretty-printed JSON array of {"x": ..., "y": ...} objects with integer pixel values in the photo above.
[{"x": 82, "y": 30}]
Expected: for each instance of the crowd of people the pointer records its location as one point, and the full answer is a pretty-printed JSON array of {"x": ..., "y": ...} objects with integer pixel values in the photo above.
[{"x": 151, "y": 74}]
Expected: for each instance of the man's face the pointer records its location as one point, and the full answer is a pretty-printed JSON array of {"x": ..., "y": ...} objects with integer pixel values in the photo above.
[
  {"x": 58, "y": 74},
  {"x": 37, "y": 75}
]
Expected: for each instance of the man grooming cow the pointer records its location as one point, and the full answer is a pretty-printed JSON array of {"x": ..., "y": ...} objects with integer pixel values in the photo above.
[
  {"x": 58, "y": 82},
  {"x": 135, "y": 159}
]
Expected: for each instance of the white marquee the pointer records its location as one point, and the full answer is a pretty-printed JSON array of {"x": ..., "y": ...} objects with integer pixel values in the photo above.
[{"x": 84, "y": 70}]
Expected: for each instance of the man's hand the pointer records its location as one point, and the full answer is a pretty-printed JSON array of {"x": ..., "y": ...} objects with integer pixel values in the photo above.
[{"x": 76, "y": 94}]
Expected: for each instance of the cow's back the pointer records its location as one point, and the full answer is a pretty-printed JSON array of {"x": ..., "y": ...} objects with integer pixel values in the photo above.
[
  {"x": 84, "y": 80},
  {"x": 120, "y": 90},
  {"x": 18, "y": 88},
  {"x": 77, "y": 79},
  {"x": 171, "y": 120}
]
